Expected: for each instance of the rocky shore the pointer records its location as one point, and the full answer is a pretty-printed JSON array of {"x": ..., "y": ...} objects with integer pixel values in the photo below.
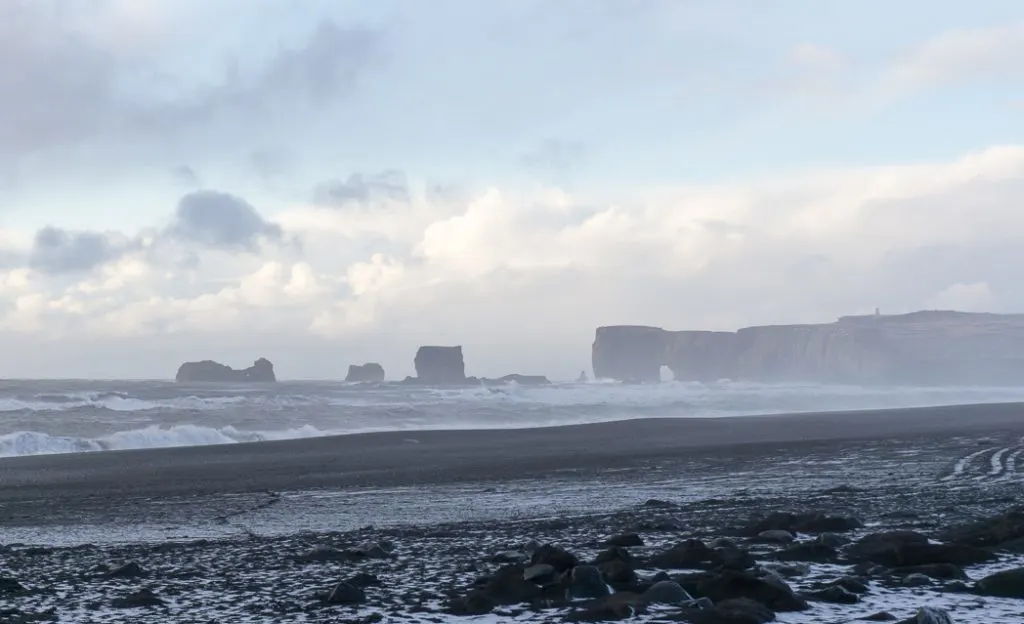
[
  {"x": 838, "y": 555},
  {"x": 902, "y": 527}
]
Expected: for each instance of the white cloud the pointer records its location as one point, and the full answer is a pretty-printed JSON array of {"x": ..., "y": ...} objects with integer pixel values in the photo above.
[
  {"x": 958, "y": 56},
  {"x": 512, "y": 275},
  {"x": 964, "y": 297},
  {"x": 948, "y": 59}
]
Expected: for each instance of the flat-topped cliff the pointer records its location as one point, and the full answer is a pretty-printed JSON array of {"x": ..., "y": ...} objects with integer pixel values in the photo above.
[{"x": 920, "y": 348}]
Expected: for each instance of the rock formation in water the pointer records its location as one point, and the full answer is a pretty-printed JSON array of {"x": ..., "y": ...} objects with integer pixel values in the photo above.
[
  {"x": 440, "y": 365},
  {"x": 371, "y": 371},
  {"x": 920, "y": 348},
  {"x": 209, "y": 371}
]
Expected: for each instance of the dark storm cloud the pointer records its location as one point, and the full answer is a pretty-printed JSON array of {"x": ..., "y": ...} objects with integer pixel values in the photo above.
[
  {"x": 221, "y": 220},
  {"x": 359, "y": 188},
  {"x": 56, "y": 250}
]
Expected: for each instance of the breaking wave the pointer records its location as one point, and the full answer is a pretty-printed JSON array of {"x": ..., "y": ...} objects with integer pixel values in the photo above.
[
  {"x": 74, "y": 417},
  {"x": 37, "y": 443}
]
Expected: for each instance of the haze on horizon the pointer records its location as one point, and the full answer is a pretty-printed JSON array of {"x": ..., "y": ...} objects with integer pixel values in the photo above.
[{"x": 327, "y": 182}]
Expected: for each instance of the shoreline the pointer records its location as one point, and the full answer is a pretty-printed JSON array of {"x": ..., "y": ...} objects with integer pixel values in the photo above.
[{"x": 435, "y": 457}]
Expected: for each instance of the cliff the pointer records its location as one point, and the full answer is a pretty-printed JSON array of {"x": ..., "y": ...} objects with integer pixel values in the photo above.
[
  {"x": 209, "y": 371},
  {"x": 921, "y": 348},
  {"x": 371, "y": 371}
]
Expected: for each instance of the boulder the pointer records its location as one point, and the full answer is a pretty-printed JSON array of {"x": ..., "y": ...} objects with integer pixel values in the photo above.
[
  {"x": 371, "y": 371},
  {"x": 208, "y": 371},
  {"x": 770, "y": 592},
  {"x": 899, "y": 549},
  {"x": 1005, "y": 584},
  {"x": 440, "y": 365},
  {"x": 989, "y": 532}
]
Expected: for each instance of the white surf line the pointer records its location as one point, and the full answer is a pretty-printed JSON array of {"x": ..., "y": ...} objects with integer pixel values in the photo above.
[
  {"x": 1011, "y": 464},
  {"x": 996, "y": 464},
  {"x": 961, "y": 465}
]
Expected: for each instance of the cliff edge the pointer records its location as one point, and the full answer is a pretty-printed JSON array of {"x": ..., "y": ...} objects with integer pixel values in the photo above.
[
  {"x": 261, "y": 371},
  {"x": 920, "y": 348}
]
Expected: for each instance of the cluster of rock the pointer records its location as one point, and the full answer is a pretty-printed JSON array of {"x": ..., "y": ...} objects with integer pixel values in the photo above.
[
  {"x": 722, "y": 581},
  {"x": 435, "y": 366},
  {"x": 922, "y": 348},
  {"x": 621, "y": 567},
  {"x": 261, "y": 371}
]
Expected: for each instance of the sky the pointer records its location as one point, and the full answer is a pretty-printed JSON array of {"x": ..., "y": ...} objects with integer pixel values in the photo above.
[{"x": 329, "y": 182}]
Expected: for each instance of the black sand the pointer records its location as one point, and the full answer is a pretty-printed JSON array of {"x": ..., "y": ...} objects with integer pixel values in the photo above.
[
  {"x": 33, "y": 488},
  {"x": 434, "y": 457}
]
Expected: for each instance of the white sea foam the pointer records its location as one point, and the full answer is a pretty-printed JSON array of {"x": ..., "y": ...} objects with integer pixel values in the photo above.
[{"x": 37, "y": 443}]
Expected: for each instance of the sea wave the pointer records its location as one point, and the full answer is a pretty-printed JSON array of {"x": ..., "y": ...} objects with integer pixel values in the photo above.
[
  {"x": 729, "y": 395},
  {"x": 22, "y": 443},
  {"x": 39, "y": 418}
]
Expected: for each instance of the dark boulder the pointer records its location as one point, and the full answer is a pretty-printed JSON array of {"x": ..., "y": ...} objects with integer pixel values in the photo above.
[
  {"x": 735, "y": 611},
  {"x": 208, "y": 371},
  {"x": 556, "y": 557},
  {"x": 440, "y": 365},
  {"x": 371, "y": 371},
  {"x": 625, "y": 540},
  {"x": 507, "y": 586},
  {"x": 814, "y": 552},
  {"x": 899, "y": 549},
  {"x": 1005, "y": 584},
  {"x": 769, "y": 591},
  {"x": 801, "y": 523},
  {"x": 990, "y": 532}
]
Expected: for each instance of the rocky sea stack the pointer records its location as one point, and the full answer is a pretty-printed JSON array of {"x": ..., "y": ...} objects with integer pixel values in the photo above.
[
  {"x": 440, "y": 365},
  {"x": 208, "y": 371},
  {"x": 371, "y": 371}
]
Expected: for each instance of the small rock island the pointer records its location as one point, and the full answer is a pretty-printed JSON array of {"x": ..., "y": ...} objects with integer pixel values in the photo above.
[
  {"x": 371, "y": 371},
  {"x": 208, "y": 371}
]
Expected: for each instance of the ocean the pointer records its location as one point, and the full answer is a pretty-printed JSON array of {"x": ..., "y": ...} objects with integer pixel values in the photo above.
[{"x": 75, "y": 416}]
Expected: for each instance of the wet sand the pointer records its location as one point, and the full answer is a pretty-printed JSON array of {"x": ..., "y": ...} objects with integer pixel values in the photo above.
[{"x": 444, "y": 457}]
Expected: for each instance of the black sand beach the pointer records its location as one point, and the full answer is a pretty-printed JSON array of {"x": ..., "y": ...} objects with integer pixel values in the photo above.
[
  {"x": 438, "y": 457},
  {"x": 283, "y": 522}
]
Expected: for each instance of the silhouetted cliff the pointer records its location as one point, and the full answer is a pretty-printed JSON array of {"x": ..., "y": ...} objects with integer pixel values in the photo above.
[
  {"x": 209, "y": 371},
  {"x": 925, "y": 348}
]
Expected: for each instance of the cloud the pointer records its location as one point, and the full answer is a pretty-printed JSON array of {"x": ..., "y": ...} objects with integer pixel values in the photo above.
[
  {"x": 221, "y": 220},
  {"x": 69, "y": 75},
  {"x": 185, "y": 176},
  {"x": 958, "y": 56},
  {"x": 359, "y": 189},
  {"x": 56, "y": 251},
  {"x": 976, "y": 297},
  {"x": 522, "y": 278},
  {"x": 948, "y": 59}
]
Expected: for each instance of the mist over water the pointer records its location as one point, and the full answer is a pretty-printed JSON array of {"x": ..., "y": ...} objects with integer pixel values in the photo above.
[{"x": 41, "y": 417}]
